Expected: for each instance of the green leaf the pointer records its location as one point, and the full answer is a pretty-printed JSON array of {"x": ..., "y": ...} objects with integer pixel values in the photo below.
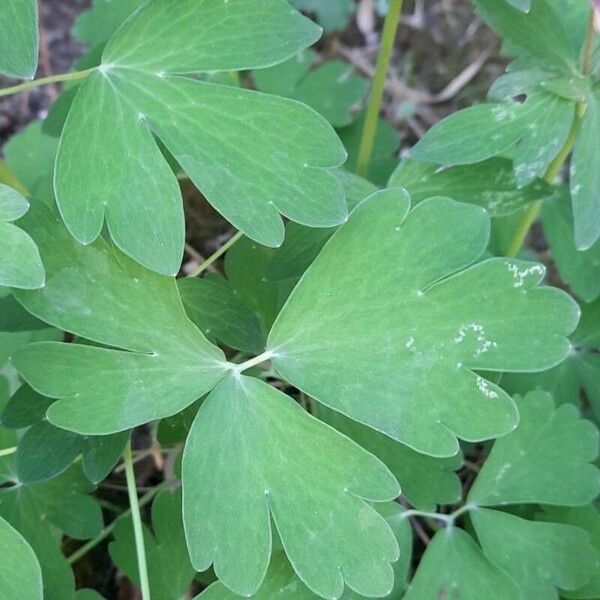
[
  {"x": 21, "y": 263},
  {"x": 536, "y": 129},
  {"x": 454, "y": 567},
  {"x": 522, "y": 5},
  {"x": 169, "y": 569},
  {"x": 222, "y": 316},
  {"x": 19, "y": 38},
  {"x": 587, "y": 518},
  {"x": 546, "y": 460},
  {"x": 330, "y": 15},
  {"x": 585, "y": 178},
  {"x": 331, "y": 89},
  {"x": 490, "y": 184},
  {"x": 425, "y": 481},
  {"x": 253, "y": 156},
  {"x": 539, "y": 556},
  {"x": 95, "y": 26},
  {"x": 246, "y": 440},
  {"x": 579, "y": 269},
  {"x": 20, "y": 573},
  {"x": 414, "y": 318},
  {"x": 13, "y": 317},
  {"x": 25, "y": 408},
  {"x": 34, "y": 462},
  {"x": 101, "y": 453},
  {"x": 537, "y": 34},
  {"x": 281, "y": 583},
  {"x": 158, "y": 361}
]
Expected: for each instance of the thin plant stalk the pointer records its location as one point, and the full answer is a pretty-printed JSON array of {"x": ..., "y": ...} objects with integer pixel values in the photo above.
[
  {"x": 381, "y": 68},
  {"x": 213, "y": 257},
  {"x": 60, "y": 78},
  {"x": 137, "y": 522}
]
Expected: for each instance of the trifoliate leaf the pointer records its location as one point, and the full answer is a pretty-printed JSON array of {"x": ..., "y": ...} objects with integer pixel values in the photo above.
[
  {"x": 331, "y": 89},
  {"x": 536, "y": 129},
  {"x": 330, "y": 15},
  {"x": 425, "y": 481},
  {"x": 537, "y": 34},
  {"x": 579, "y": 269},
  {"x": 490, "y": 184},
  {"x": 20, "y": 573},
  {"x": 222, "y": 316},
  {"x": 303, "y": 244},
  {"x": 383, "y": 160},
  {"x": 158, "y": 361},
  {"x": 271, "y": 160},
  {"x": 539, "y": 556},
  {"x": 587, "y": 518},
  {"x": 169, "y": 569},
  {"x": 546, "y": 460},
  {"x": 411, "y": 317},
  {"x": 95, "y": 26},
  {"x": 281, "y": 583},
  {"x": 454, "y": 567},
  {"x": 21, "y": 263},
  {"x": 246, "y": 440},
  {"x": 19, "y": 38},
  {"x": 585, "y": 178}
]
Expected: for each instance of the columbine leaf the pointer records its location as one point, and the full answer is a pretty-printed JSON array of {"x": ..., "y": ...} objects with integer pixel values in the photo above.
[
  {"x": 538, "y": 34},
  {"x": 13, "y": 317},
  {"x": 169, "y": 569},
  {"x": 413, "y": 318},
  {"x": 246, "y": 440},
  {"x": 215, "y": 309},
  {"x": 585, "y": 178},
  {"x": 164, "y": 362},
  {"x": 25, "y": 408},
  {"x": 587, "y": 518},
  {"x": 282, "y": 583},
  {"x": 580, "y": 269},
  {"x": 490, "y": 184},
  {"x": 454, "y": 567},
  {"x": 21, "y": 263},
  {"x": 546, "y": 460},
  {"x": 19, "y": 38},
  {"x": 253, "y": 156},
  {"x": 539, "y": 556},
  {"x": 20, "y": 573},
  {"x": 331, "y": 89},
  {"x": 536, "y": 129},
  {"x": 425, "y": 481}
]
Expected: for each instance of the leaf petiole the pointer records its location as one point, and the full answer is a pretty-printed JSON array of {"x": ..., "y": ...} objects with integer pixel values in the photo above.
[
  {"x": 8, "y": 451},
  {"x": 448, "y": 519},
  {"x": 211, "y": 259},
  {"x": 28, "y": 85}
]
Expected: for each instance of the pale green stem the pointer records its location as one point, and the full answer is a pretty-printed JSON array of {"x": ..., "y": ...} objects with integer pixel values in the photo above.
[
  {"x": 383, "y": 61},
  {"x": 448, "y": 519},
  {"x": 28, "y": 85},
  {"x": 211, "y": 259},
  {"x": 531, "y": 213},
  {"x": 83, "y": 550},
  {"x": 137, "y": 522},
  {"x": 257, "y": 360},
  {"x": 8, "y": 451}
]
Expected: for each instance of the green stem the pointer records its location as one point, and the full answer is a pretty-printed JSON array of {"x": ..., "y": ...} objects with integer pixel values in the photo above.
[
  {"x": 448, "y": 519},
  {"x": 8, "y": 451},
  {"x": 383, "y": 61},
  {"x": 211, "y": 259},
  {"x": 257, "y": 360},
  {"x": 28, "y": 85},
  {"x": 531, "y": 213},
  {"x": 83, "y": 550},
  {"x": 137, "y": 522}
]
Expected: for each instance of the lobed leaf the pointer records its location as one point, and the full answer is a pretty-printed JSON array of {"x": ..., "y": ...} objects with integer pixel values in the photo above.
[
  {"x": 253, "y": 455},
  {"x": 19, "y": 38},
  {"x": 546, "y": 460},
  {"x": 158, "y": 361},
  {"x": 414, "y": 319},
  {"x": 271, "y": 157}
]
